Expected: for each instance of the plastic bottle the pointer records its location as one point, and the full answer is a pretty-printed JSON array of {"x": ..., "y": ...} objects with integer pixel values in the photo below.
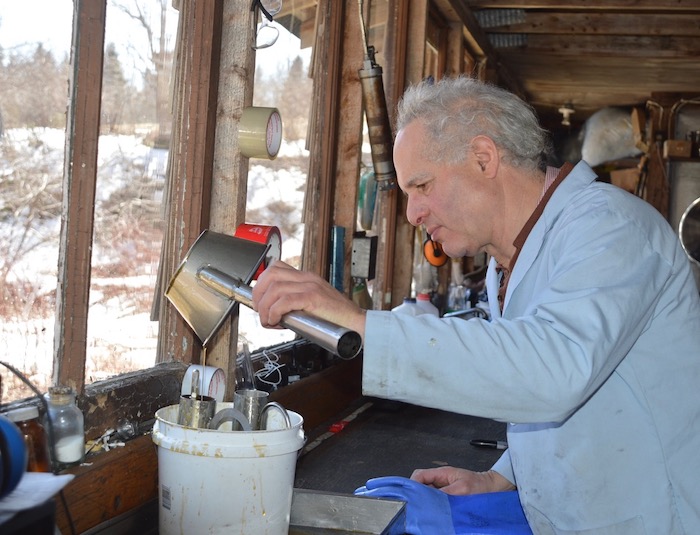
[
  {"x": 457, "y": 297},
  {"x": 423, "y": 302},
  {"x": 456, "y": 291},
  {"x": 409, "y": 307},
  {"x": 68, "y": 427},
  {"x": 27, "y": 420}
]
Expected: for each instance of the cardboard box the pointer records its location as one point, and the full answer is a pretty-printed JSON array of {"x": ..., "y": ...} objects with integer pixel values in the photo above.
[
  {"x": 675, "y": 148},
  {"x": 626, "y": 179}
]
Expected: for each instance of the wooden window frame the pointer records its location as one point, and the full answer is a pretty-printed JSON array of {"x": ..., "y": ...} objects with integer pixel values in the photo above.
[
  {"x": 212, "y": 82},
  {"x": 204, "y": 170},
  {"x": 191, "y": 171}
]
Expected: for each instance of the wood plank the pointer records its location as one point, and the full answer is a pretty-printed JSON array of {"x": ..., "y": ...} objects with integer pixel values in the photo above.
[
  {"x": 111, "y": 484},
  {"x": 489, "y": 57},
  {"x": 349, "y": 141},
  {"x": 236, "y": 70},
  {"x": 396, "y": 38},
  {"x": 608, "y": 80},
  {"x": 586, "y": 5},
  {"x": 658, "y": 24},
  {"x": 407, "y": 32},
  {"x": 322, "y": 139},
  {"x": 133, "y": 397},
  {"x": 455, "y": 50},
  {"x": 553, "y": 71},
  {"x": 79, "y": 185},
  {"x": 667, "y": 47},
  {"x": 189, "y": 176}
]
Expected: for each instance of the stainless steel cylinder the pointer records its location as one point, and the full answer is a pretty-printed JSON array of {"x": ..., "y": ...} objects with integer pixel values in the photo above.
[
  {"x": 196, "y": 412},
  {"x": 336, "y": 339}
]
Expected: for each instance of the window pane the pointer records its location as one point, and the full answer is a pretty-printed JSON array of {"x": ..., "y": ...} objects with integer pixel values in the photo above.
[
  {"x": 132, "y": 158},
  {"x": 276, "y": 187},
  {"x": 34, "y": 56}
]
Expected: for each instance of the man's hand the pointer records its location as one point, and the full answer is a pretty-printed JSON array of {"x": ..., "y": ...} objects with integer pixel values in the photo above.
[
  {"x": 460, "y": 481},
  {"x": 281, "y": 289}
]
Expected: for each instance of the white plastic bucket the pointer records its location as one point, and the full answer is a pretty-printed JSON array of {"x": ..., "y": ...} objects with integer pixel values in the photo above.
[{"x": 222, "y": 481}]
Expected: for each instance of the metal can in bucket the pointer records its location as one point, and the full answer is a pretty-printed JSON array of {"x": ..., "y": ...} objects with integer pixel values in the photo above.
[{"x": 224, "y": 481}]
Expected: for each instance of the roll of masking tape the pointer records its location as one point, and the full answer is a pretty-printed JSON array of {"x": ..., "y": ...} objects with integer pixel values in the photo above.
[
  {"x": 265, "y": 234},
  {"x": 260, "y": 132}
]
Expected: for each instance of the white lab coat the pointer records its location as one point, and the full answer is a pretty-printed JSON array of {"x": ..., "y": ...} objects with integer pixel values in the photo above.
[{"x": 595, "y": 364}]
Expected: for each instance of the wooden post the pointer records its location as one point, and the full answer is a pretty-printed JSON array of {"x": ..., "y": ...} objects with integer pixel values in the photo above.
[
  {"x": 323, "y": 137},
  {"x": 230, "y": 167},
  {"x": 190, "y": 160},
  {"x": 349, "y": 135},
  {"x": 79, "y": 179}
]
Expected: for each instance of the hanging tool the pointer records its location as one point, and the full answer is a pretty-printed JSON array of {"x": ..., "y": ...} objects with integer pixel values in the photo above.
[{"x": 374, "y": 102}]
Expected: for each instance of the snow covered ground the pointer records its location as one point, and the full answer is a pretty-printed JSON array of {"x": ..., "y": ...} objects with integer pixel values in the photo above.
[{"x": 120, "y": 337}]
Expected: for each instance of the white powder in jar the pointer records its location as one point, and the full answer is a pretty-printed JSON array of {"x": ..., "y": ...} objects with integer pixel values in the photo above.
[{"x": 70, "y": 449}]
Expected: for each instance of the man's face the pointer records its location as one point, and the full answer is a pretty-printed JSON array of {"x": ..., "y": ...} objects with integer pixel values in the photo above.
[{"x": 451, "y": 201}]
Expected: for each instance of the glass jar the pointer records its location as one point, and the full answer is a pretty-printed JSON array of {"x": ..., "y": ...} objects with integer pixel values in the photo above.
[
  {"x": 27, "y": 420},
  {"x": 68, "y": 427}
]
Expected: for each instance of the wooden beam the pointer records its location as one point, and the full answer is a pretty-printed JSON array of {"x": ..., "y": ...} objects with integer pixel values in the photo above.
[
  {"x": 349, "y": 135},
  {"x": 391, "y": 268},
  {"x": 236, "y": 74},
  {"x": 79, "y": 184},
  {"x": 557, "y": 72},
  {"x": 188, "y": 182},
  {"x": 325, "y": 107},
  {"x": 660, "y": 125},
  {"x": 406, "y": 31},
  {"x": 455, "y": 50},
  {"x": 588, "y": 5},
  {"x": 657, "y": 24},
  {"x": 616, "y": 45},
  {"x": 131, "y": 397},
  {"x": 482, "y": 48},
  {"x": 110, "y": 485}
]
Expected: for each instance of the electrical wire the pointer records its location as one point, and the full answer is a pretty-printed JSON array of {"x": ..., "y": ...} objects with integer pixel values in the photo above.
[{"x": 270, "y": 366}]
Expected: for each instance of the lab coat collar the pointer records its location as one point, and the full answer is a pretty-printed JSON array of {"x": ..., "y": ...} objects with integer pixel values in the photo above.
[{"x": 580, "y": 177}]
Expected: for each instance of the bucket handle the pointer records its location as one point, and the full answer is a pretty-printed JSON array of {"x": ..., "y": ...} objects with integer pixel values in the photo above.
[
  {"x": 229, "y": 415},
  {"x": 276, "y": 406}
]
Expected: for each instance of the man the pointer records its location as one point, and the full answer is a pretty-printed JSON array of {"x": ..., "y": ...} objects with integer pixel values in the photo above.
[{"x": 593, "y": 352}]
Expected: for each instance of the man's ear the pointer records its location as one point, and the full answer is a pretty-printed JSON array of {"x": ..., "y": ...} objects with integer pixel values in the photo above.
[{"x": 486, "y": 154}]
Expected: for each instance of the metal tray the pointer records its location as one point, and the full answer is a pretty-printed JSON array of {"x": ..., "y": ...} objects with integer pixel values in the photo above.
[{"x": 314, "y": 512}]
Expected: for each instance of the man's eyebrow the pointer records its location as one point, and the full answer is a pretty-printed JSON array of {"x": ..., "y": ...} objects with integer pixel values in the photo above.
[{"x": 419, "y": 177}]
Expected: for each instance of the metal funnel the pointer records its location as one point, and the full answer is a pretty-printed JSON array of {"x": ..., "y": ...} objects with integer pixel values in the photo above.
[{"x": 213, "y": 278}]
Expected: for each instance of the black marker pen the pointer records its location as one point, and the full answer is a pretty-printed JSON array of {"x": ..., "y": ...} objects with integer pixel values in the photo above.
[{"x": 494, "y": 444}]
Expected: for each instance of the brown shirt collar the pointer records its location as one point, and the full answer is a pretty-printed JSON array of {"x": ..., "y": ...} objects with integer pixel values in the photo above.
[{"x": 527, "y": 228}]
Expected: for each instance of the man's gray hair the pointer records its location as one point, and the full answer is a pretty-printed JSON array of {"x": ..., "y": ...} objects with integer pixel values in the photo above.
[{"x": 455, "y": 110}]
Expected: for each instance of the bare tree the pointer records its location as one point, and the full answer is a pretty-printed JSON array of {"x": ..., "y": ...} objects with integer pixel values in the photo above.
[
  {"x": 158, "y": 55},
  {"x": 114, "y": 90},
  {"x": 30, "y": 203},
  {"x": 33, "y": 89}
]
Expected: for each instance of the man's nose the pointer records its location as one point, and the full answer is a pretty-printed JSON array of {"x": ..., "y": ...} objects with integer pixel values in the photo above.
[{"x": 415, "y": 212}]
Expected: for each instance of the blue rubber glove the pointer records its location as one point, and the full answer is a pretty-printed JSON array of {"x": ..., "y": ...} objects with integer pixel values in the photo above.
[{"x": 430, "y": 511}]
